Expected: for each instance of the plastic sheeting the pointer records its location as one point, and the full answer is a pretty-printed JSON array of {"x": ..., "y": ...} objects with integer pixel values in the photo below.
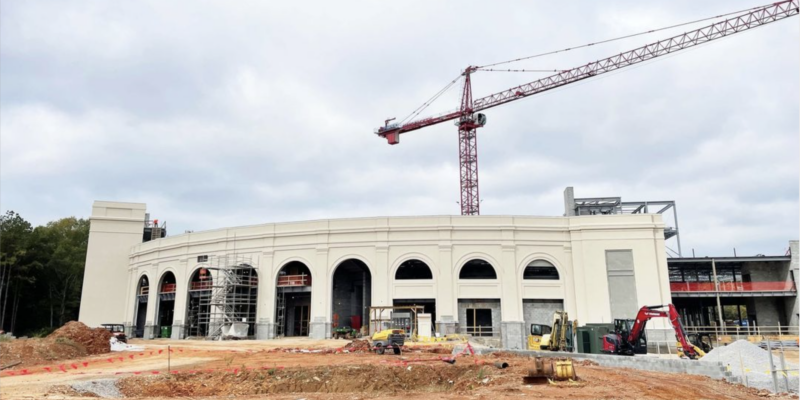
[
  {"x": 116, "y": 345},
  {"x": 236, "y": 329}
]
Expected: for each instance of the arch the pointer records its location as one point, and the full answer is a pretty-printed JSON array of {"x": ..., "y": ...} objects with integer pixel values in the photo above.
[
  {"x": 475, "y": 256},
  {"x": 541, "y": 270},
  {"x": 351, "y": 293},
  {"x": 334, "y": 265},
  {"x": 477, "y": 268},
  {"x": 140, "y": 305},
  {"x": 290, "y": 260},
  {"x": 167, "y": 277},
  {"x": 198, "y": 298},
  {"x": 413, "y": 269},
  {"x": 413, "y": 256},
  {"x": 293, "y": 299},
  {"x": 530, "y": 258}
]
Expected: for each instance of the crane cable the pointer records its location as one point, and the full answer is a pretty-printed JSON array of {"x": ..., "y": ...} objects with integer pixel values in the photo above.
[
  {"x": 482, "y": 68},
  {"x": 425, "y": 105}
]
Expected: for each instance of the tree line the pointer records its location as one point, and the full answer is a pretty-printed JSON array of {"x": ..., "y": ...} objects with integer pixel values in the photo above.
[{"x": 41, "y": 273}]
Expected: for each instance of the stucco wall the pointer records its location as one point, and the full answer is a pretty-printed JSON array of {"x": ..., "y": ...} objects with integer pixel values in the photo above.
[
  {"x": 113, "y": 229},
  {"x": 576, "y": 246}
]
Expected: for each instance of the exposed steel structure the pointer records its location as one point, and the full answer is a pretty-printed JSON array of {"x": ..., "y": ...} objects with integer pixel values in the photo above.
[{"x": 468, "y": 117}]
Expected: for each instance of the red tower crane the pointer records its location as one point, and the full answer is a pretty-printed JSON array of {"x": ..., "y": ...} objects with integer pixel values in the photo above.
[{"x": 469, "y": 119}]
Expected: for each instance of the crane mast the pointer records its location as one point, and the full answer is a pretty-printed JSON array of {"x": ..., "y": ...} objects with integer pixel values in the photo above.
[{"x": 468, "y": 117}]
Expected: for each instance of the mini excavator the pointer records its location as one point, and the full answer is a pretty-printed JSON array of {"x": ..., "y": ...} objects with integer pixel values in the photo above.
[{"x": 628, "y": 337}]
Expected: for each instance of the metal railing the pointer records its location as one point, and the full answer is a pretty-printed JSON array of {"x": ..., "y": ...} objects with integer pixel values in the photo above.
[
  {"x": 480, "y": 330},
  {"x": 294, "y": 280},
  {"x": 753, "y": 333},
  {"x": 201, "y": 285},
  {"x": 144, "y": 290},
  {"x": 168, "y": 288},
  {"x": 782, "y": 286}
]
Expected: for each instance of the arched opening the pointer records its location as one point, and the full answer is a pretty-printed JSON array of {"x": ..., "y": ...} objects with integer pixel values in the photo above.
[
  {"x": 293, "y": 300},
  {"x": 540, "y": 269},
  {"x": 140, "y": 306},
  {"x": 198, "y": 304},
  {"x": 351, "y": 294},
  {"x": 166, "y": 305},
  {"x": 413, "y": 269},
  {"x": 477, "y": 269}
]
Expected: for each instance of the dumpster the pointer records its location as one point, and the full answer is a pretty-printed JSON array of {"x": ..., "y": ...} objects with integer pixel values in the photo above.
[{"x": 166, "y": 331}]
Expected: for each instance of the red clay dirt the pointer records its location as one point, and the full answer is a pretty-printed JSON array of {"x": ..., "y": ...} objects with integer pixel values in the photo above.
[
  {"x": 250, "y": 370},
  {"x": 71, "y": 341}
]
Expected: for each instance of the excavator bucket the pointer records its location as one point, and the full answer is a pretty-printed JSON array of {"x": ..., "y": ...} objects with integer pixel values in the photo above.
[{"x": 543, "y": 370}]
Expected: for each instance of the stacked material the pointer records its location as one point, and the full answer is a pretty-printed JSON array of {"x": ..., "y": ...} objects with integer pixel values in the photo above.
[{"x": 754, "y": 368}]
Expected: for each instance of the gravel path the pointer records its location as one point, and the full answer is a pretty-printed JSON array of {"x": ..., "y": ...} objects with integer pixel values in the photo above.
[
  {"x": 755, "y": 364},
  {"x": 104, "y": 388}
]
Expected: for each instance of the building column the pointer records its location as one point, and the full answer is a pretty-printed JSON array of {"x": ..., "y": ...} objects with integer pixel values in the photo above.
[
  {"x": 319, "y": 324},
  {"x": 152, "y": 304},
  {"x": 265, "y": 311},
  {"x": 181, "y": 294},
  {"x": 446, "y": 298},
  {"x": 512, "y": 325}
]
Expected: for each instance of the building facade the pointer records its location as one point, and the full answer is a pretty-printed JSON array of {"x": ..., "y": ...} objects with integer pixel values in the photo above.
[{"x": 487, "y": 276}]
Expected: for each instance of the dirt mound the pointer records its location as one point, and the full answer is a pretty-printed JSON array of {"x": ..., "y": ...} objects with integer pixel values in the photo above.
[
  {"x": 357, "y": 346},
  {"x": 72, "y": 340},
  {"x": 342, "y": 379},
  {"x": 95, "y": 340}
]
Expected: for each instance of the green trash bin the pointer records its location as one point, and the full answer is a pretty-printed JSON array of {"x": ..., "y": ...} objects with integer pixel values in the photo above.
[{"x": 166, "y": 331}]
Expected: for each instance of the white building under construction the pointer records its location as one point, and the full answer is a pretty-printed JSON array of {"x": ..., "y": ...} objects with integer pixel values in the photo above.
[{"x": 485, "y": 276}]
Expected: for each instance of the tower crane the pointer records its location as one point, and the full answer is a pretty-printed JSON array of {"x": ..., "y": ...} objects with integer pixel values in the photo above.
[{"x": 469, "y": 118}]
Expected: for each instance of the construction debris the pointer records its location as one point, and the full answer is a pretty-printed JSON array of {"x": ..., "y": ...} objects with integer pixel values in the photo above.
[
  {"x": 754, "y": 367},
  {"x": 103, "y": 388},
  {"x": 357, "y": 346}
]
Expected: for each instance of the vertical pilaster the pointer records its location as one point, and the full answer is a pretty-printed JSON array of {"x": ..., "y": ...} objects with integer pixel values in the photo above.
[
  {"x": 181, "y": 295},
  {"x": 265, "y": 311},
  {"x": 320, "y": 298}
]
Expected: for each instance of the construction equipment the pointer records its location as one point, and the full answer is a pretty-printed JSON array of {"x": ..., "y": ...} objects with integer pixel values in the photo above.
[
  {"x": 629, "y": 338},
  {"x": 388, "y": 339},
  {"x": 560, "y": 337},
  {"x": 535, "y": 338},
  {"x": 117, "y": 331},
  {"x": 469, "y": 118},
  {"x": 701, "y": 347},
  {"x": 543, "y": 369},
  {"x": 344, "y": 332}
]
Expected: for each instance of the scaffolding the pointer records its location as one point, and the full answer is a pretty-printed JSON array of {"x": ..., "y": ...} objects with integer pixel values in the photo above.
[{"x": 228, "y": 309}]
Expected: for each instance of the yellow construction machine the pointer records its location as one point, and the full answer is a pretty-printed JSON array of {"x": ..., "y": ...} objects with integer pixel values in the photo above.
[{"x": 555, "y": 338}]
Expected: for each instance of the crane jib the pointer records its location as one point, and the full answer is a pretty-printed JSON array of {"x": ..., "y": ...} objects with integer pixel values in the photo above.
[{"x": 468, "y": 153}]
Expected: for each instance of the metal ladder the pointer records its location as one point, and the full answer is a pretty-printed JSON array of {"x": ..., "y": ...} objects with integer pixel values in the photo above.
[{"x": 280, "y": 314}]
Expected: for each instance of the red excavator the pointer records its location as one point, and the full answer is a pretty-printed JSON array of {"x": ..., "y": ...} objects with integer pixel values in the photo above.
[{"x": 629, "y": 338}]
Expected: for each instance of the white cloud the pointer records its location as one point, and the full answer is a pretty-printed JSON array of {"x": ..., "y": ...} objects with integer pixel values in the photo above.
[{"x": 220, "y": 114}]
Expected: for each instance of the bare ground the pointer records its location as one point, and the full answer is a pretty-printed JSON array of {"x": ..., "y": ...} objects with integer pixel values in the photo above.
[{"x": 283, "y": 369}]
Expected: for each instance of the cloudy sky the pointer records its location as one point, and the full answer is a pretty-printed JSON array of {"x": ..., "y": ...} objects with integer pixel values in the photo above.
[{"x": 231, "y": 113}]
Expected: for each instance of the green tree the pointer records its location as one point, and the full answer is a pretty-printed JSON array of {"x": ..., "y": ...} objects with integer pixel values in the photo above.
[
  {"x": 41, "y": 272},
  {"x": 15, "y": 266}
]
